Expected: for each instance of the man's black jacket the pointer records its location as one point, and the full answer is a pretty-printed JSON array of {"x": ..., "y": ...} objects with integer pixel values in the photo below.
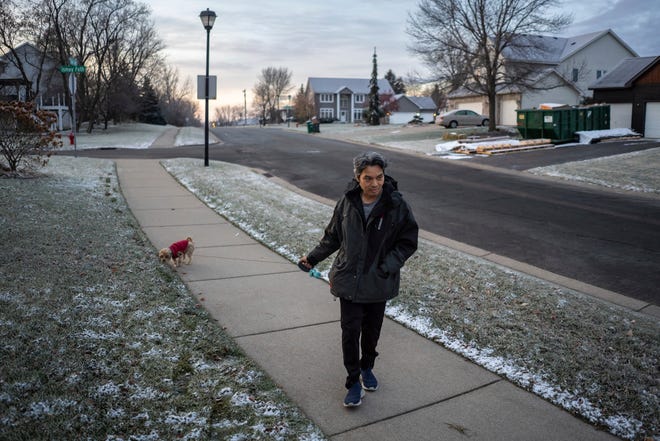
[{"x": 371, "y": 251}]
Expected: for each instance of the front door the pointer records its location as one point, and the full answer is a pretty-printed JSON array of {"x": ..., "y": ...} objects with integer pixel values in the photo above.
[{"x": 343, "y": 116}]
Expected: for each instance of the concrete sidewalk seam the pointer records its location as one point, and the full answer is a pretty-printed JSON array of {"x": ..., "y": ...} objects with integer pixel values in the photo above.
[
  {"x": 240, "y": 277},
  {"x": 292, "y": 328},
  {"x": 425, "y": 406},
  {"x": 235, "y": 259},
  {"x": 183, "y": 224}
]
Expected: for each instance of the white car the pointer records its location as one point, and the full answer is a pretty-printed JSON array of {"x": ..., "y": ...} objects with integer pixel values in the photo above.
[{"x": 461, "y": 117}]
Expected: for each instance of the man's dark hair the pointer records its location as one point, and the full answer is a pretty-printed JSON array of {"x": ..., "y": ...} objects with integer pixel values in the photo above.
[{"x": 364, "y": 160}]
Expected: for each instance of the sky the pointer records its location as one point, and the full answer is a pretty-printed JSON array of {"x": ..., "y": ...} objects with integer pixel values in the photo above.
[{"x": 336, "y": 38}]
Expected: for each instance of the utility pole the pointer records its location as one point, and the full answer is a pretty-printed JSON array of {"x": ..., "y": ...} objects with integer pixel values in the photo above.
[{"x": 244, "y": 107}]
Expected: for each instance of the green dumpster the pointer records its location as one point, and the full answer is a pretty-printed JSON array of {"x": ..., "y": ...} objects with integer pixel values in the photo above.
[
  {"x": 560, "y": 124},
  {"x": 310, "y": 127}
]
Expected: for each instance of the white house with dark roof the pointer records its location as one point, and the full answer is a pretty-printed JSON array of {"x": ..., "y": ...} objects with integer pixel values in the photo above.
[
  {"x": 563, "y": 69},
  {"x": 409, "y": 106},
  {"x": 38, "y": 67},
  {"x": 342, "y": 99}
]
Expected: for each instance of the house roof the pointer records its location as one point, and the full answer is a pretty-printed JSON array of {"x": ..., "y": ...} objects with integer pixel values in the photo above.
[
  {"x": 422, "y": 102},
  {"x": 625, "y": 73},
  {"x": 23, "y": 47},
  {"x": 553, "y": 50},
  {"x": 463, "y": 92},
  {"x": 355, "y": 85}
]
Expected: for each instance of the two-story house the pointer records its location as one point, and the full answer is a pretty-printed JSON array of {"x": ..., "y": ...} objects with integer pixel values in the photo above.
[
  {"x": 342, "y": 99},
  {"x": 40, "y": 75},
  {"x": 561, "y": 71}
]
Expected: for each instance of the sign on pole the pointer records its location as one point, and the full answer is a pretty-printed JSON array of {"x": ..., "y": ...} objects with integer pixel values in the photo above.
[
  {"x": 201, "y": 86},
  {"x": 72, "y": 84},
  {"x": 72, "y": 69}
]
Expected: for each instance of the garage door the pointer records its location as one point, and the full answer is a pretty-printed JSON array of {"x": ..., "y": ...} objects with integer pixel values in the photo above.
[
  {"x": 652, "y": 123},
  {"x": 477, "y": 107},
  {"x": 509, "y": 115},
  {"x": 401, "y": 117},
  {"x": 621, "y": 116}
]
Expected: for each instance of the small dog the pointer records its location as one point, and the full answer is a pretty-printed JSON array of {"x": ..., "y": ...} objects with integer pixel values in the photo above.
[{"x": 176, "y": 254}]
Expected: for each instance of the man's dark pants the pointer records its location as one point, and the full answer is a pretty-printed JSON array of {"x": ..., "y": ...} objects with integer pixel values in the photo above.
[{"x": 365, "y": 319}]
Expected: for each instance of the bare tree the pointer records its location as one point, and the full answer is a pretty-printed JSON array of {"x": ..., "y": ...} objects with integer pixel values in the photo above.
[
  {"x": 178, "y": 108},
  {"x": 113, "y": 39},
  {"x": 20, "y": 22},
  {"x": 272, "y": 85},
  {"x": 414, "y": 83},
  {"x": 464, "y": 41},
  {"x": 228, "y": 115},
  {"x": 303, "y": 106},
  {"x": 261, "y": 101}
]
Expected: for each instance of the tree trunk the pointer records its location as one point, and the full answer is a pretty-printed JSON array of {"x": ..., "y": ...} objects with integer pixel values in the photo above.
[{"x": 492, "y": 108}]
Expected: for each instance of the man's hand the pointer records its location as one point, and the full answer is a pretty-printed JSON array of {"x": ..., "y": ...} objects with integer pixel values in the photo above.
[{"x": 303, "y": 264}]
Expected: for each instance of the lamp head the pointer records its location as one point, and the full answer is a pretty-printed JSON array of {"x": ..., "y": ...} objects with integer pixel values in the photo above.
[{"x": 208, "y": 18}]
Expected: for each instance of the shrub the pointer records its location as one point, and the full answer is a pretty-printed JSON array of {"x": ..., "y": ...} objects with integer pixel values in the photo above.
[{"x": 26, "y": 140}]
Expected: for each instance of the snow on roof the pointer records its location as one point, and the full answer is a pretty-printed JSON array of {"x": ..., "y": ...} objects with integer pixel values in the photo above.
[
  {"x": 423, "y": 102},
  {"x": 625, "y": 73},
  {"x": 355, "y": 85},
  {"x": 553, "y": 50}
]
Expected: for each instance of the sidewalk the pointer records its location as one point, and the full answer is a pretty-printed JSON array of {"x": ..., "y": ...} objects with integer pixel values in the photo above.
[
  {"x": 166, "y": 139},
  {"x": 289, "y": 324}
]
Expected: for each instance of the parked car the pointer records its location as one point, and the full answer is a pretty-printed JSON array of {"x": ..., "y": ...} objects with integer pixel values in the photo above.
[{"x": 461, "y": 117}]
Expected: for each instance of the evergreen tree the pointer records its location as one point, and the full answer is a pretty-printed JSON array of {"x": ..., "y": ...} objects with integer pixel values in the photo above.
[
  {"x": 150, "y": 112},
  {"x": 397, "y": 83},
  {"x": 438, "y": 97},
  {"x": 373, "y": 113}
]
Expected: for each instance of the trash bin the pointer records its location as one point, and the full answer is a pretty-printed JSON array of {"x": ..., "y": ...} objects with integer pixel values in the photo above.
[
  {"x": 560, "y": 124},
  {"x": 310, "y": 127},
  {"x": 316, "y": 127}
]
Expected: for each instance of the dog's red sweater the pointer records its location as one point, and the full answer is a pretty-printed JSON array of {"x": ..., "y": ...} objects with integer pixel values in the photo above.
[{"x": 178, "y": 247}]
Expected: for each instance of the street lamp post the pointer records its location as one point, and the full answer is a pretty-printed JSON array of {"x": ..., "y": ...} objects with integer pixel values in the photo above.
[{"x": 208, "y": 19}]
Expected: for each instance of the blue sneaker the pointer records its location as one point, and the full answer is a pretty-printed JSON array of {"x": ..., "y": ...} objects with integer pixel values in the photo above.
[
  {"x": 369, "y": 381},
  {"x": 354, "y": 396}
]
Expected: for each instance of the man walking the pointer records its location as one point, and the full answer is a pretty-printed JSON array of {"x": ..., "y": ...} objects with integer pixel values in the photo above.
[{"x": 375, "y": 232}]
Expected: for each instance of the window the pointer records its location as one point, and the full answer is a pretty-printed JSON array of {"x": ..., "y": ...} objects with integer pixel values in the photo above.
[
  {"x": 600, "y": 73},
  {"x": 359, "y": 98},
  {"x": 327, "y": 98},
  {"x": 576, "y": 74},
  {"x": 327, "y": 113},
  {"x": 357, "y": 114},
  {"x": 344, "y": 102}
]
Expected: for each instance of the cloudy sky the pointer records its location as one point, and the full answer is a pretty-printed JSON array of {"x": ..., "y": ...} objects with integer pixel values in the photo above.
[{"x": 337, "y": 37}]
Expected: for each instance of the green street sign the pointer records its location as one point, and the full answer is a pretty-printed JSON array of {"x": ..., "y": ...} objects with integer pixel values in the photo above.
[{"x": 72, "y": 69}]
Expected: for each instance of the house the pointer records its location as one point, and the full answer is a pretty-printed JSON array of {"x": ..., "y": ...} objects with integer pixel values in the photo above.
[
  {"x": 342, "y": 99},
  {"x": 409, "y": 106},
  {"x": 632, "y": 90},
  {"x": 561, "y": 70},
  {"x": 38, "y": 68},
  {"x": 44, "y": 82}
]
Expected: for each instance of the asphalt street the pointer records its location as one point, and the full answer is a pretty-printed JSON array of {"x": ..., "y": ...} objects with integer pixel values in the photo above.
[{"x": 604, "y": 238}]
